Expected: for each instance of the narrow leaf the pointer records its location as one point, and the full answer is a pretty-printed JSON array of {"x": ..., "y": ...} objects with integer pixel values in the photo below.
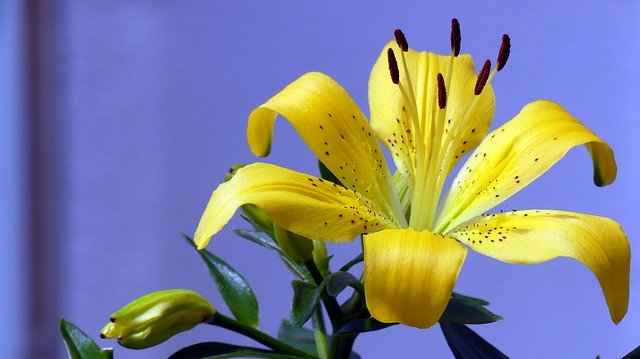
[
  {"x": 363, "y": 325},
  {"x": 635, "y": 353},
  {"x": 265, "y": 241},
  {"x": 466, "y": 344},
  {"x": 352, "y": 262},
  {"x": 297, "y": 337},
  {"x": 467, "y": 310},
  {"x": 338, "y": 281},
  {"x": 306, "y": 296},
  {"x": 216, "y": 350},
  {"x": 78, "y": 344},
  {"x": 235, "y": 290}
]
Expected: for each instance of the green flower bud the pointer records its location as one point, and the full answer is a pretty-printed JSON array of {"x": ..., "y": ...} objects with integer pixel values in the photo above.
[
  {"x": 320, "y": 257},
  {"x": 156, "y": 317},
  {"x": 292, "y": 245},
  {"x": 258, "y": 218},
  {"x": 232, "y": 171}
]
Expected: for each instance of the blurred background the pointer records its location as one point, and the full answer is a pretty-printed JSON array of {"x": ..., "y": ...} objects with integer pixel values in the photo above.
[{"x": 118, "y": 119}]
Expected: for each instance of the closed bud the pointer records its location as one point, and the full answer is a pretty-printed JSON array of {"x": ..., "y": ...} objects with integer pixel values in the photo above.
[
  {"x": 258, "y": 218},
  {"x": 294, "y": 246},
  {"x": 156, "y": 317},
  {"x": 232, "y": 171},
  {"x": 320, "y": 257}
]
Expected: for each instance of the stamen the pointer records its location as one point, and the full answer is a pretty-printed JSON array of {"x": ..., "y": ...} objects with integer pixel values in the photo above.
[
  {"x": 455, "y": 36},
  {"x": 442, "y": 92},
  {"x": 483, "y": 76},
  {"x": 505, "y": 50},
  {"x": 393, "y": 66},
  {"x": 401, "y": 40}
]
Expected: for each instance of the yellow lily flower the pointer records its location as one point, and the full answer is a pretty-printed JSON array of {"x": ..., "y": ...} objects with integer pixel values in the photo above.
[{"x": 433, "y": 111}]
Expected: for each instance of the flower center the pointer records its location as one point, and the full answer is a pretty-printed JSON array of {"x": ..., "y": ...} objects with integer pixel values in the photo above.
[{"x": 436, "y": 134}]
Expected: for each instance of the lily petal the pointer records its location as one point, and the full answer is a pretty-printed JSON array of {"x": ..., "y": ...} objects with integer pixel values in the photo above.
[
  {"x": 409, "y": 275},
  {"x": 517, "y": 153},
  {"x": 390, "y": 113},
  {"x": 303, "y": 204},
  {"x": 334, "y": 128},
  {"x": 535, "y": 236}
]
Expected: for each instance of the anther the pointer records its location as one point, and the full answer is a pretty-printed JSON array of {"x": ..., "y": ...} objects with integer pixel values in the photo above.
[
  {"x": 401, "y": 40},
  {"x": 393, "y": 66},
  {"x": 442, "y": 92},
  {"x": 455, "y": 36},
  {"x": 482, "y": 77},
  {"x": 505, "y": 50}
]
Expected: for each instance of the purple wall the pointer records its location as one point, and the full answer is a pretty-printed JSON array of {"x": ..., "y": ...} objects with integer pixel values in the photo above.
[{"x": 155, "y": 101}]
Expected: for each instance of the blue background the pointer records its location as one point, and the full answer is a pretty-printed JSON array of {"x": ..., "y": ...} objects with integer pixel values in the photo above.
[{"x": 153, "y": 99}]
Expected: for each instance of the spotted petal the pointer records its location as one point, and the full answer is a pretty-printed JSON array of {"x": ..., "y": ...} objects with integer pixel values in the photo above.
[
  {"x": 334, "y": 128},
  {"x": 517, "y": 153},
  {"x": 409, "y": 275},
  {"x": 300, "y": 203},
  {"x": 390, "y": 113},
  {"x": 534, "y": 236}
]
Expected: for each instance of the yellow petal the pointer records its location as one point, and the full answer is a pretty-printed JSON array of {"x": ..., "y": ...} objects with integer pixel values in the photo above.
[
  {"x": 515, "y": 155},
  {"x": 303, "y": 204},
  {"x": 334, "y": 128},
  {"x": 390, "y": 112},
  {"x": 409, "y": 275},
  {"x": 535, "y": 236}
]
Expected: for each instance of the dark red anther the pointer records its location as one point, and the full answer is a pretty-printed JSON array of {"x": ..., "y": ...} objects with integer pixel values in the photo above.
[
  {"x": 442, "y": 92},
  {"x": 401, "y": 40},
  {"x": 505, "y": 50},
  {"x": 455, "y": 36},
  {"x": 393, "y": 66},
  {"x": 483, "y": 76}
]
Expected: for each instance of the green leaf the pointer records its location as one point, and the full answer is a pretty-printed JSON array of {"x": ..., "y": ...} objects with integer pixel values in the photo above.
[
  {"x": 338, "y": 281},
  {"x": 352, "y": 262},
  {"x": 467, "y": 310},
  {"x": 466, "y": 344},
  {"x": 297, "y": 337},
  {"x": 306, "y": 296},
  {"x": 235, "y": 290},
  {"x": 216, "y": 350},
  {"x": 363, "y": 325},
  {"x": 265, "y": 241},
  {"x": 323, "y": 265},
  {"x": 78, "y": 344}
]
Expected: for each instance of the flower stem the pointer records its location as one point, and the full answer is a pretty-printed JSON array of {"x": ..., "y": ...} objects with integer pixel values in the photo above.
[
  {"x": 320, "y": 333},
  {"x": 269, "y": 341},
  {"x": 342, "y": 345}
]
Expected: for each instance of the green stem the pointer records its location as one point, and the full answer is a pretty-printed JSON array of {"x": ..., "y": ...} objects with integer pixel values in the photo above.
[
  {"x": 342, "y": 345},
  {"x": 320, "y": 333},
  {"x": 107, "y": 353},
  {"x": 330, "y": 303},
  {"x": 269, "y": 341}
]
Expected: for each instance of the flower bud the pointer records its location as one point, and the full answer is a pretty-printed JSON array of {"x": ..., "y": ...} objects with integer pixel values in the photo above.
[
  {"x": 232, "y": 171},
  {"x": 156, "y": 317},
  {"x": 258, "y": 218},
  {"x": 319, "y": 257},
  {"x": 294, "y": 246}
]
